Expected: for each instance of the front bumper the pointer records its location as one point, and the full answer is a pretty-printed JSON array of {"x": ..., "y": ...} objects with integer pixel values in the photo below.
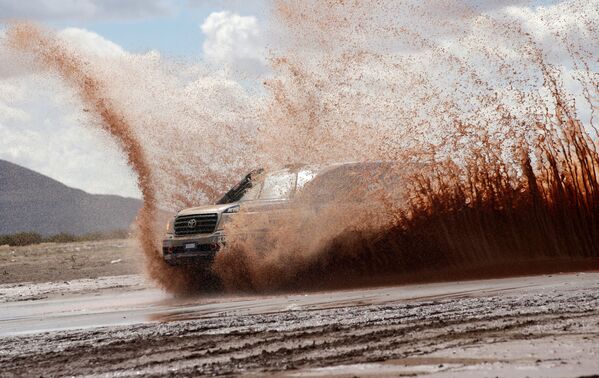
[{"x": 192, "y": 249}]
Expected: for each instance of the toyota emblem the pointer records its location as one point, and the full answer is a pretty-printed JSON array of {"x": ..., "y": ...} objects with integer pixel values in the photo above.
[{"x": 192, "y": 223}]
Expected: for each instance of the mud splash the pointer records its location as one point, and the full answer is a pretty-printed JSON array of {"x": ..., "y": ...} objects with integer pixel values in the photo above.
[
  {"x": 51, "y": 53},
  {"x": 502, "y": 133},
  {"x": 508, "y": 170}
]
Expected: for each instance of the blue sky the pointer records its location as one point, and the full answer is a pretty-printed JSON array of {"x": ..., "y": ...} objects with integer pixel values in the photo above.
[
  {"x": 169, "y": 26},
  {"x": 174, "y": 33},
  {"x": 177, "y": 36}
]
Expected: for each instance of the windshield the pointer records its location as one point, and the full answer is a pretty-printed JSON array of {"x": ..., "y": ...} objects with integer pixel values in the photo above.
[
  {"x": 305, "y": 176},
  {"x": 278, "y": 185}
]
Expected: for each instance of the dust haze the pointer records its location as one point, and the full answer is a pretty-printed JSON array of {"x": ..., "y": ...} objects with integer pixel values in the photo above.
[{"x": 489, "y": 129}]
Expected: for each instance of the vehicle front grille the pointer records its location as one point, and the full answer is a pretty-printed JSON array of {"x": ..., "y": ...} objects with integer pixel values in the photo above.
[
  {"x": 199, "y": 248},
  {"x": 195, "y": 224}
]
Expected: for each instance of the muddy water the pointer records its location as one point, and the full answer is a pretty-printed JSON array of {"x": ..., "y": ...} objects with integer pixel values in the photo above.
[
  {"x": 508, "y": 159},
  {"x": 537, "y": 326},
  {"x": 125, "y": 300}
]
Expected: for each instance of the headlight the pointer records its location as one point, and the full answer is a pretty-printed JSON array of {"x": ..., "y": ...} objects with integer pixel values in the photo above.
[
  {"x": 170, "y": 226},
  {"x": 232, "y": 209}
]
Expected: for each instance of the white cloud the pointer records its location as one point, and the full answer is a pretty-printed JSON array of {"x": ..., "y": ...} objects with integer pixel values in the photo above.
[
  {"x": 67, "y": 151},
  {"x": 53, "y": 10},
  {"x": 75, "y": 156},
  {"x": 8, "y": 113},
  {"x": 90, "y": 43},
  {"x": 9, "y": 93},
  {"x": 235, "y": 42},
  {"x": 167, "y": 105},
  {"x": 42, "y": 126}
]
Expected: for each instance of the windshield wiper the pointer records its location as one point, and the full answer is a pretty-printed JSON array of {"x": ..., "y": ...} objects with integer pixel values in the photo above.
[{"x": 237, "y": 192}]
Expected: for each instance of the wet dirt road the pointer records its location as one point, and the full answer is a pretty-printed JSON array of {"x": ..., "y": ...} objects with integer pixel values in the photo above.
[{"x": 527, "y": 326}]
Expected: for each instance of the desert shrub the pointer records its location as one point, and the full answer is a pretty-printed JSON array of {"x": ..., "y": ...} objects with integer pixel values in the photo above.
[
  {"x": 116, "y": 234},
  {"x": 21, "y": 238},
  {"x": 63, "y": 237},
  {"x": 29, "y": 238}
]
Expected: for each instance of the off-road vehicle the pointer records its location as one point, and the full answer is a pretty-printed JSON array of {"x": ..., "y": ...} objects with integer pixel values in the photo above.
[{"x": 195, "y": 235}]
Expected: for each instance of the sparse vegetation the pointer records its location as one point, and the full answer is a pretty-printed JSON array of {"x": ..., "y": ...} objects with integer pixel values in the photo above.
[{"x": 29, "y": 238}]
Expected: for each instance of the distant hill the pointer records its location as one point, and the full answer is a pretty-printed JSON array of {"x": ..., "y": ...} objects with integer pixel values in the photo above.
[{"x": 30, "y": 201}]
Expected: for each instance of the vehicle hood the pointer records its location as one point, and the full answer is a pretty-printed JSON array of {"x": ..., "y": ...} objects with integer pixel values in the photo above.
[
  {"x": 206, "y": 209},
  {"x": 250, "y": 206}
]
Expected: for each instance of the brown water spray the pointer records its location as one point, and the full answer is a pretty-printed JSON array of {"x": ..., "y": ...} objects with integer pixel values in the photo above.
[
  {"x": 50, "y": 53},
  {"x": 506, "y": 182}
]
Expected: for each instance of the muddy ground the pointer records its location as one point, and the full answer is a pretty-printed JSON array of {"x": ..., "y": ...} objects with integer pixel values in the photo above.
[
  {"x": 546, "y": 326},
  {"x": 67, "y": 261}
]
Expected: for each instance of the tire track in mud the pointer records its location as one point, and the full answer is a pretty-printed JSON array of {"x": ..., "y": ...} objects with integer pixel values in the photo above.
[{"x": 231, "y": 344}]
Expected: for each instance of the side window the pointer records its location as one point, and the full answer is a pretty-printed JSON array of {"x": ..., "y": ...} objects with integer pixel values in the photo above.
[{"x": 278, "y": 186}]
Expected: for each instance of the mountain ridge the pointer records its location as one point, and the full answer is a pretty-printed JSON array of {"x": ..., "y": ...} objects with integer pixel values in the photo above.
[{"x": 33, "y": 202}]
